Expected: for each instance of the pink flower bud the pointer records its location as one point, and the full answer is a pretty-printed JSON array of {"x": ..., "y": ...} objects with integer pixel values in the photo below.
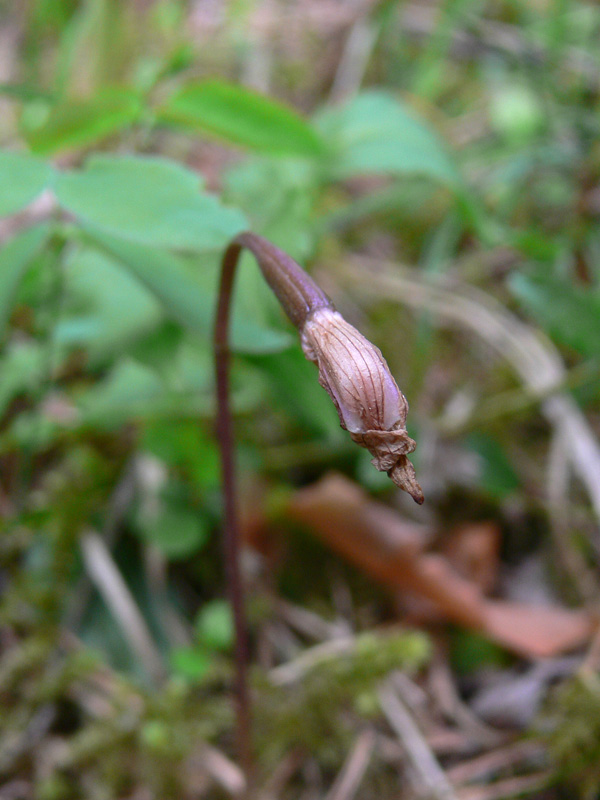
[{"x": 369, "y": 403}]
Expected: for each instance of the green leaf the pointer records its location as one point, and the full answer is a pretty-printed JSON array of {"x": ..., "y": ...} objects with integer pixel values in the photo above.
[
  {"x": 178, "y": 532},
  {"x": 569, "y": 314},
  {"x": 497, "y": 475},
  {"x": 183, "y": 445},
  {"x": 21, "y": 369},
  {"x": 24, "y": 91},
  {"x": 295, "y": 388},
  {"x": 22, "y": 178},
  {"x": 190, "y": 663},
  {"x": 151, "y": 201},
  {"x": 15, "y": 258},
  {"x": 214, "y": 626},
  {"x": 279, "y": 197},
  {"x": 183, "y": 299},
  {"x": 105, "y": 308},
  {"x": 78, "y": 123},
  {"x": 377, "y": 133},
  {"x": 242, "y": 117}
]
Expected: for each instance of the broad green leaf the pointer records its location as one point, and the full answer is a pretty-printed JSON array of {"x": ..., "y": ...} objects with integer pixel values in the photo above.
[
  {"x": 570, "y": 315},
  {"x": 243, "y": 117},
  {"x": 377, "y": 133},
  {"x": 132, "y": 391},
  {"x": 78, "y": 123},
  {"x": 105, "y": 308},
  {"x": 22, "y": 178},
  {"x": 148, "y": 200},
  {"x": 184, "y": 300},
  {"x": 15, "y": 258}
]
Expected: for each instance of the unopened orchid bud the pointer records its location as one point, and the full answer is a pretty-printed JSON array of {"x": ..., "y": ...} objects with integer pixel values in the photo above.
[{"x": 369, "y": 403}]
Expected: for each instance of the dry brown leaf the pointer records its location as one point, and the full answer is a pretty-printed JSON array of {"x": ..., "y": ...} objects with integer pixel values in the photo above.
[{"x": 391, "y": 550}]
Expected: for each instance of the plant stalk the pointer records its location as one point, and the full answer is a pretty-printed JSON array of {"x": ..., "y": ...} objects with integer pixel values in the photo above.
[{"x": 231, "y": 529}]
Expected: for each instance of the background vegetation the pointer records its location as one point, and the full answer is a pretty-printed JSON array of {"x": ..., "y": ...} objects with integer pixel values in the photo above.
[{"x": 436, "y": 165}]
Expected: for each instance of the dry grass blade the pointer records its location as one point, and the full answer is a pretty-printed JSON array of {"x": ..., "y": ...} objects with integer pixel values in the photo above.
[
  {"x": 108, "y": 580},
  {"x": 434, "y": 783},
  {"x": 502, "y": 758},
  {"x": 505, "y": 789},
  {"x": 533, "y": 357},
  {"x": 352, "y": 773}
]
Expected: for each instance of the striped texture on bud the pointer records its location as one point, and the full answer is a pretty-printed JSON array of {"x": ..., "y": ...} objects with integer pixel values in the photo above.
[{"x": 369, "y": 403}]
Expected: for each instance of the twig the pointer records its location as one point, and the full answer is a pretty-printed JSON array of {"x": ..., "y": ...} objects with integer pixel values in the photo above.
[
  {"x": 109, "y": 582},
  {"x": 352, "y": 773},
  {"x": 293, "y": 670},
  {"x": 490, "y": 763},
  {"x": 429, "y": 772},
  {"x": 282, "y": 774},
  {"x": 571, "y": 558},
  {"x": 118, "y": 504},
  {"x": 510, "y": 787},
  {"x": 176, "y": 631},
  {"x": 355, "y": 59},
  {"x": 441, "y": 686},
  {"x": 227, "y": 774},
  {"x": 309, "y": 623}
]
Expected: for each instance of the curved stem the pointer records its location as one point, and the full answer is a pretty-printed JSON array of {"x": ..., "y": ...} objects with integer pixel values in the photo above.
[
  {"x": 299, "y": 296},
  {"x": 231, "y": 540}
]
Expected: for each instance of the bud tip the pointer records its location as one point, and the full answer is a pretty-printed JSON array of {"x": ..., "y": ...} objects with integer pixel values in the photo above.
[{"x": 403, "y": 475}]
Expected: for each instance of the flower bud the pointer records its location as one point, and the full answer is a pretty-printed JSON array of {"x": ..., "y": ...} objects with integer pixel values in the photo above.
[{"x": 369, "y": 403}]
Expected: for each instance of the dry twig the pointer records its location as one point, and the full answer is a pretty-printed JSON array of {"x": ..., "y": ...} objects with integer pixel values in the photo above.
[
  {"x": 108, "y": 580},
  {"x": 431, "y": 776}
]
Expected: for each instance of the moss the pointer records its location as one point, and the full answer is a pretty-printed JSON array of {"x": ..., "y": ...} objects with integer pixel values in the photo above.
[
  {"x": 319, "y": 712},
  {"x": 573, "y": 721}
]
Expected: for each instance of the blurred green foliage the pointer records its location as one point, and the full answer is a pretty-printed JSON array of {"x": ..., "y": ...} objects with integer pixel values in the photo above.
[{"x": 469, "y": 149}]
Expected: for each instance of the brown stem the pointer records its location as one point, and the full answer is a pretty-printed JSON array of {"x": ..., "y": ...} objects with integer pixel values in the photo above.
[
  {"x": 352, "y": 370},
  {"x": 231, "y": 530},
  {"x": 299, "y": 296}
]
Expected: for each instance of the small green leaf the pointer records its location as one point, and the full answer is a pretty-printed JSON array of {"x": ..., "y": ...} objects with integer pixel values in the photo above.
[
  {"x": 78, "y": 123},
  {"x": 497, "y": 475},
  {"x": 22, "y": 178},
  {"x": 24, "y": 92},
  {"x": 21, "y": 370},
  {"x": 214, "y": 626},
  {"x": 178, "y": 532},
  {"x": 15, "y": 258},
  {"x": 190, "y": 663},
  {"x": 242, "y": 117},
  {"x": 569, "y": 314},
  {"x": 377, "y": 133},
  {"x": 148, "y": 200}
]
